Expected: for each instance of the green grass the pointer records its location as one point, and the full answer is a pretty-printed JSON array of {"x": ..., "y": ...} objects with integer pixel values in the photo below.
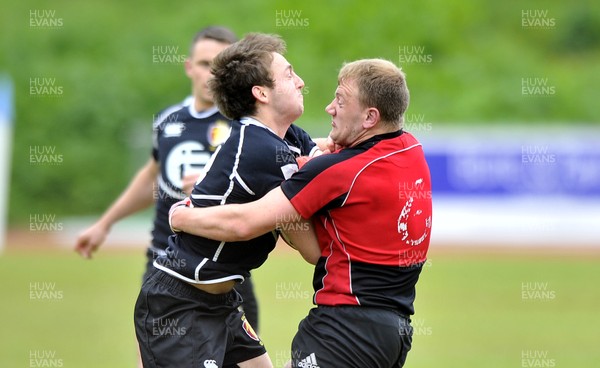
[{"x": 470, "y": 308}]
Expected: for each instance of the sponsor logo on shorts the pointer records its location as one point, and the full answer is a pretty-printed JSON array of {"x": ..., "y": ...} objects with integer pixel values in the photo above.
[
  {"x": 309, "y": 362},
  {"x": 210, "y": 363}
]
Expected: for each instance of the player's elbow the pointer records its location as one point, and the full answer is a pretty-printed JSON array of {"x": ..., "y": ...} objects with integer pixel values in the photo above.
[
  {"x": 240, "y": 224},
  {"x": 242, "y": 231},
  {"x": 241, "y": 228},
  {"x": 311, "y": 257}
]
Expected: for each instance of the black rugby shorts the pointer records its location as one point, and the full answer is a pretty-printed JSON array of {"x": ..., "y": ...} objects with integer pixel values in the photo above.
[{"x": 178, "y": 325}]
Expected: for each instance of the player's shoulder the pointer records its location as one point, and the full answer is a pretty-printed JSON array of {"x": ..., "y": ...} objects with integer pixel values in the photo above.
[
  {"x": 404, "y": 143},
  {"x": 326, "y": 160},
  {"x": 408, "y": 138},
  {"x": 262, "y": 148},
  {"x": 335, "y": 163},
  {"x": 175, "y": 107},
  {"x": 262, "y": 139},
  {"x": 169, "y": 114}
]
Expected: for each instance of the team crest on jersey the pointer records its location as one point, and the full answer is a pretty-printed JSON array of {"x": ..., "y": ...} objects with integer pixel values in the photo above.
[
  {"x": 421, "y": 223},
  {"x": 218, "y": 132},
  {"x": 174, "y": 129},
  {"x": 248, "y": 329}
]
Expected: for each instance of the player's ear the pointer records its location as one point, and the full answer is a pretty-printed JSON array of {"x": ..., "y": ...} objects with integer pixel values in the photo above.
[
  {"x": 372, "y": 118},
  {"x": 260, "y": 94},
  {"x": 188, "y": 67}
]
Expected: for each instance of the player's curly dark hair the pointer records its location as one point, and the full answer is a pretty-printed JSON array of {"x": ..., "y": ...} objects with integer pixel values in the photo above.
[{"x": 240, "y": 67}]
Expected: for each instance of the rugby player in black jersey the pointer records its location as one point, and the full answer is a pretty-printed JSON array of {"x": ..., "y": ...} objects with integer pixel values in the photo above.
[
  {"x": 184, "y": 137},
  {"x": 193, "y": 283}
]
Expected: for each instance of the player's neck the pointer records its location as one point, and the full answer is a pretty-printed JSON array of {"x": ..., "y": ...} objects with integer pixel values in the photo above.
[
  {"x": 279, "y": 128},
  {"x": 200, "y": 105},
  {"x": 370, "y": 133}
]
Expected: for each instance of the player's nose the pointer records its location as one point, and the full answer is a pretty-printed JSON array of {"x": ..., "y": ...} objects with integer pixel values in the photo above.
[
  {"x": 299, "y": 82},
  {"x": 330, "y": 109}
]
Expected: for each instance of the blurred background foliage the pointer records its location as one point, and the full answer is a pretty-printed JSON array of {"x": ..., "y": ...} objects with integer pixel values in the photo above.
[{"x": 102, "y": 57}]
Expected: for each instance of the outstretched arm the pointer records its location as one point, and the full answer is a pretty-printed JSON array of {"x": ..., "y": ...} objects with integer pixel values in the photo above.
[
  {"x": 239, "y": 222},
  {"x": 137, "y": 196}
]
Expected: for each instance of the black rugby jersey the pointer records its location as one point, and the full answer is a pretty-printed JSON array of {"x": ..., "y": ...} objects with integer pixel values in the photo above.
[
  {"x": 183, "y": 141},
  {"x": 247, "y": 166}
]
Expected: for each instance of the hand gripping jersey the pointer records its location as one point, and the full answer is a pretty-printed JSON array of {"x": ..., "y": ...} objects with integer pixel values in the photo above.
[
  {"x": 372, "y": 214},
  {"x": 247, "y": 166},
  {"x": 183, "y": 141}
]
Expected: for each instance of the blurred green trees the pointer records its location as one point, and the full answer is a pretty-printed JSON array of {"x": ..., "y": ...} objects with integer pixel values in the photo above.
[{"x": 467, "y": 63}]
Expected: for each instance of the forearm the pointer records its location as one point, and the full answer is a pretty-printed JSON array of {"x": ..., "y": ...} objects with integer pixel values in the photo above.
[
  {"x": 301, "y": 236},
  {"x": 223, "y": 223},
  {"x": 235, "y": 222}
]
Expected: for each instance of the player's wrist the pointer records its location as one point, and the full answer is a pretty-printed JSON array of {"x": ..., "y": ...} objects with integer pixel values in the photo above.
[
  {"x": 183, "y": 203},
  {"x": 104, "y": 224},
  {"x": 174, "y": 227}
]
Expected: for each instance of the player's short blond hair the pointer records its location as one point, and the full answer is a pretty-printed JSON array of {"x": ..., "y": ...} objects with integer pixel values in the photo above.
[{"x": 381, "y": 85}]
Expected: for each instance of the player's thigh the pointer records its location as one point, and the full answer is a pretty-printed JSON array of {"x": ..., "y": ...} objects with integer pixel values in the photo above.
[
  {"x": 180, "y": 329},
  {"x": 189, "y": 339},
  {"x": 350, "y": 337},
  {"x": 244, "y": 343},
  {"x": 250, "y": 303}
]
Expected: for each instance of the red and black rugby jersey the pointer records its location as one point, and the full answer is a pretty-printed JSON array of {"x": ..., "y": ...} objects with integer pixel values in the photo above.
[{"x": 372, "y": 212}]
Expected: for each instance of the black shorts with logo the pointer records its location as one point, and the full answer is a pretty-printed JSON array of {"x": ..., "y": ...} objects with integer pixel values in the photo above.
[
  {"x": 178, "y": 325},
  {"x": 351, "y": 336},
  {"x": 246, "y": 288}
]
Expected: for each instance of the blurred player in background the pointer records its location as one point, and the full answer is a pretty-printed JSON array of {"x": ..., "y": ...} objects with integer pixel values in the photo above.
[
  {"x": 184, "y": 137},
  {"x": 371, "y": 207},
  {"x": 193, "y": 283}
]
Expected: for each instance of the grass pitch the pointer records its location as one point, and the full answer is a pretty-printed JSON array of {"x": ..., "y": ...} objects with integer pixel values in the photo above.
[{"x": 473, "y": 309}]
